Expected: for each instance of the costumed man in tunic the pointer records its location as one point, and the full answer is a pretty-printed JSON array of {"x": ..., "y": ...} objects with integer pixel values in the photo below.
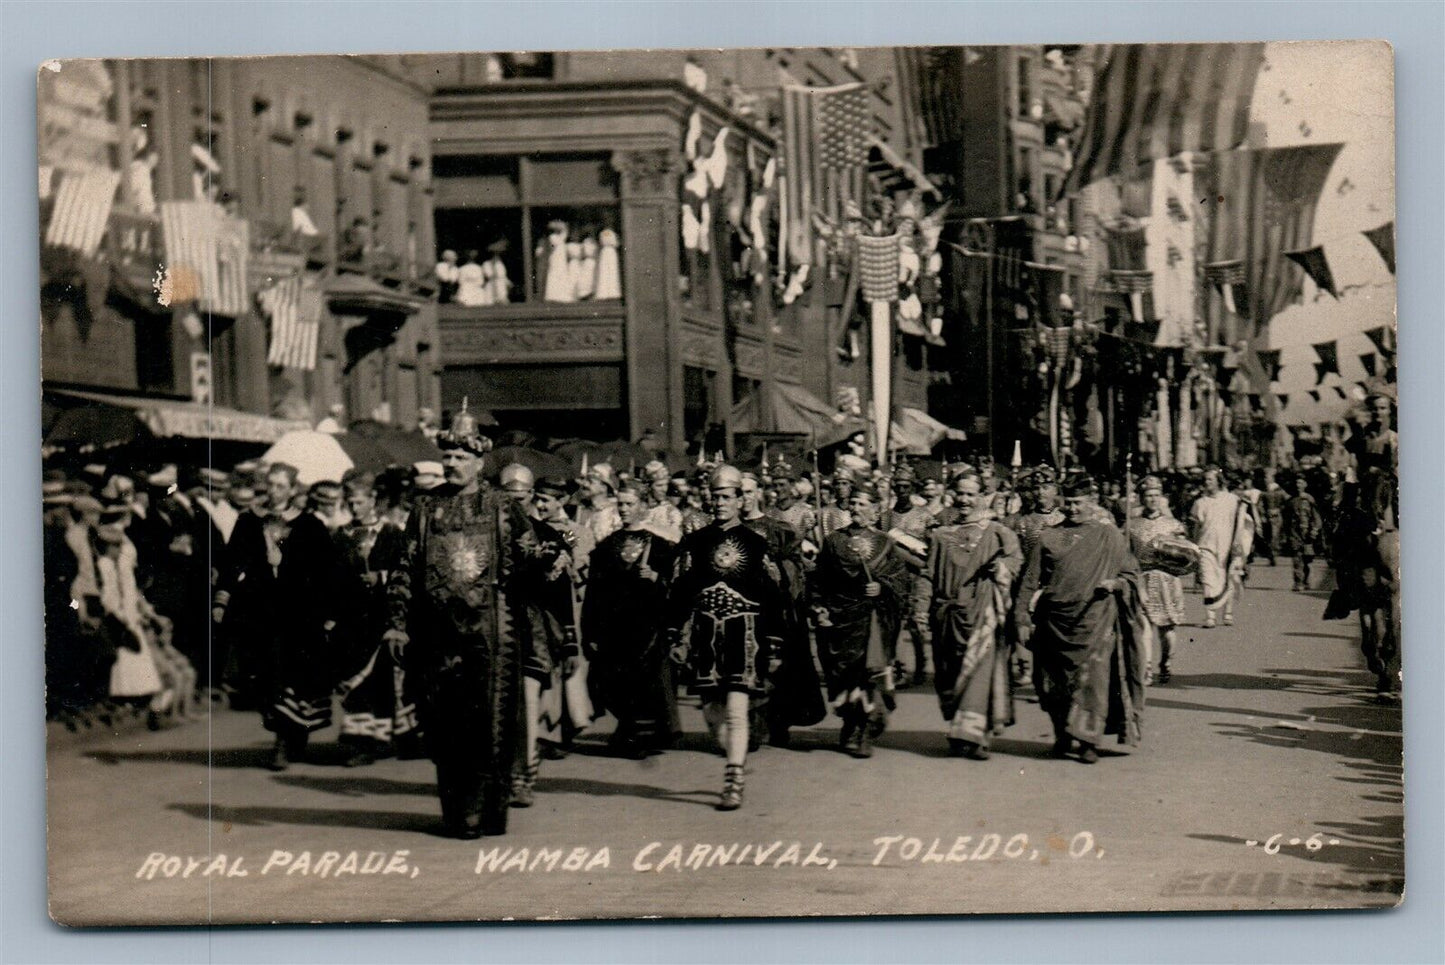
[
  {"x": 1218, "y": 519},
  {"x": 1084, "y": 628},
  {"x": 598, "y": 512},
  {"x": 244, "y": 608},
  {"x": 723, "y": 621},
  {"x": 663, "y": 516},
  {"x": 1161, "y": 592},
  {"x": 860, "y": 590},
  {"x": 835, "y": 513},
  {"x": 1040, "y": 511},
  {"x": 622, "y": 627},
  {"x": 1272, "y": 502},
  {"x": 303, "y": 667},
  {"x": 793, "y": 695},
  {"x": 971, "y": 566},
  {"x": 1302, "y": 532},
  {"x": 908, "y": 524},
  {"x": 554, "y": 678},
  {"x": 451, "y": 622},
  {"x": 372, "y": 702}
]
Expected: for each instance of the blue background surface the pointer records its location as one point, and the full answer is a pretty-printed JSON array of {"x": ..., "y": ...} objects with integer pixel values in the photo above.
[{"x": 32, "y": 32}]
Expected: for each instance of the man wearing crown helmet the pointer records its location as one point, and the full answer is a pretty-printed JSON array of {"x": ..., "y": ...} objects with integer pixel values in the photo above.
[
  {"x": 452, "y": 620},
  {"x": 723, "y": 620}
]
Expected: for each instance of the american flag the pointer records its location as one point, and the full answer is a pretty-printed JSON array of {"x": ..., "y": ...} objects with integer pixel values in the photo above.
[
  {"x": 82, "y": 209},
  {"x": 826, "y": 135},
  {"x": 295, "y": 310},
  {"x": 1270, "y": 196},
  {"x": 1157, "y": 100},
  {"x": 206, "y": 251}
]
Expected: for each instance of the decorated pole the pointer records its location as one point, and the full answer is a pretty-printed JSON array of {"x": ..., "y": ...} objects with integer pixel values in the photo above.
[{"x": 879, "y": 266}]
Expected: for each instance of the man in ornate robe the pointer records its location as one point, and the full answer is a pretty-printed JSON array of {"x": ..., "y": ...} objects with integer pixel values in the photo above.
[
  {"x": 971, "y": 566},
  {"x": 451, "y": 620},
  {"x": 622, "y": 623},
  {"x": 860, "y": 590},
  {"x": 1084, "y": 629}
]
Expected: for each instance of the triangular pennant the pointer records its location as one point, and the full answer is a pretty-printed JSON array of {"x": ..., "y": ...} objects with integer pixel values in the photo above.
[
  {"x": 1269, "y": 360},
  {"x": 1315, "y": 394},
  {"x": 1368, "y": 362},
  {"x": 1283, "y": 398},
  {"x": 1383, "y": 238},
  {"x": 1329, "y": 360},
  {"x": 1340, "y": 391},
  {"x": 1381, "y": 337},
  {"x": 1317, "y": 266}
]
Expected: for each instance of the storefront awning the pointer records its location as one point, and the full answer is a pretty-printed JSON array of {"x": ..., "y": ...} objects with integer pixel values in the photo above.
[
  {"x": 161, "y": 418},
  {"x": 915, "y": 432},
  {"x": 796, "y": 410}
]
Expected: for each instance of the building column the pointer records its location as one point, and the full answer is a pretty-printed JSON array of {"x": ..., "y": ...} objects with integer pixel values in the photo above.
[{"x": 649, "y": 228}]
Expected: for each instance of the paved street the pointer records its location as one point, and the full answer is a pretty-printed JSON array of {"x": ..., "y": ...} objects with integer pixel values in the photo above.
[{"x": 1268, "y": 735}]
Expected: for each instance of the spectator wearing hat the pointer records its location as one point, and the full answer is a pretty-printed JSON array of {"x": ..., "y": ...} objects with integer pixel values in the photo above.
[
  {"x": 622, "y": 627},
  {"x": 860, "y": 591},
  {"x": 146, "y": 667},
  {"x": 724, "y": 622},
  {"x": 1077, "y": 611},
  {"x": 174, "y": 571}
]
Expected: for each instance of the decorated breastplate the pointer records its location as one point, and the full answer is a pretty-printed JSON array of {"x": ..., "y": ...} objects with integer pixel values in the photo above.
[
  {"x": 461, "y": 551},
  {"x": 631, "y": 548},
  {"x": 862, "y": 545}
]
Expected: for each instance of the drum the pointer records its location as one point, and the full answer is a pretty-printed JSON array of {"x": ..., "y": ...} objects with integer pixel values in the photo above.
[{"x": 1174, "y": 555}]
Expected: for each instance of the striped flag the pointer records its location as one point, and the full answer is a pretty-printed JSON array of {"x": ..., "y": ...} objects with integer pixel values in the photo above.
[
  {"x": 206, "y": 254},
  {"x": 826, "y": 132},
  {"x": 295, "y": 311},
  {"x": 1157, "y": 100},
  {"x": 1270, "y": 196},
  {"x": 82, "y": 209}
]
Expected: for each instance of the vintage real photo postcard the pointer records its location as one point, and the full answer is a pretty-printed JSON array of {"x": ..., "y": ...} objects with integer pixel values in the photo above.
[{"x": 720, "y": 483}]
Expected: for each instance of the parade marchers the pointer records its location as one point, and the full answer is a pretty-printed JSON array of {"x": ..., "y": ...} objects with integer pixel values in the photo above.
[{"x": 486, "y": 628}]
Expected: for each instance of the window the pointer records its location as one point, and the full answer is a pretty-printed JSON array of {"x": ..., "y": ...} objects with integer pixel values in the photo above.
[
  {"x": 549, "y": 220},
  {"x": 1025, "y": 86}
]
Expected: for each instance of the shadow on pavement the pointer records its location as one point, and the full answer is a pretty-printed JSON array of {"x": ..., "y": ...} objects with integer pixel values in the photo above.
[
  {"x": 594, "y": 788},
  {"x": 932, "y": 743},
  {"x": 356, "y": 786},
  {"x": 321, "y": 755},
  {"x": 264, "y": 816}
]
